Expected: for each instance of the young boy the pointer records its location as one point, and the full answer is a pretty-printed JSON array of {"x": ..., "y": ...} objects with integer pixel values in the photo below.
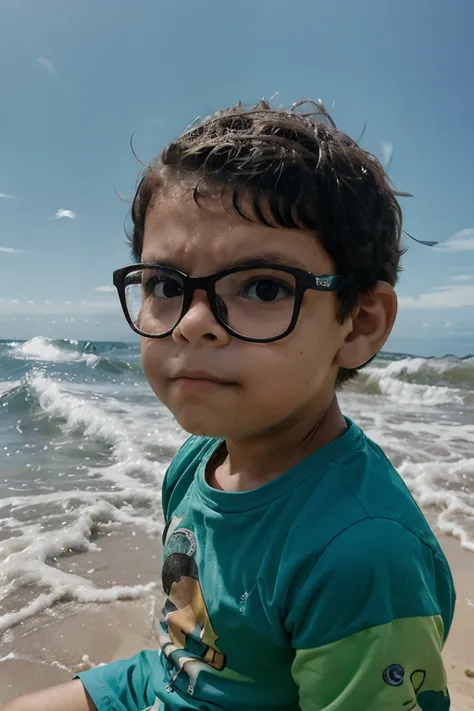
[{"x": 298, "y": 570}]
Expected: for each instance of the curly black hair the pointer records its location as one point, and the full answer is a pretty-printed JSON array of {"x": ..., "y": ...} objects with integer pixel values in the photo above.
[{"x": 295, "y": 170}]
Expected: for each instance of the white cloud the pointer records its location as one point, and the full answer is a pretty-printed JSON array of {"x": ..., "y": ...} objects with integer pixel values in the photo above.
[
  {"x": 449, "y": 298},
  {"x": 64, "y": 213},
  {"x": 45, "y": 63},
  {"x": 10, "y": 250},
  {"x": 66, "y": 308},
  {"x": 462, "y": 241},
  {"x": 387, "y": 154},
  {"x": 105, "y": 288},
  {"x": 103, "y": 305},
  {"x": 462, "y": 277},
  {"x": 448, "y": 324},
  {"x": 5, "y": 196}
]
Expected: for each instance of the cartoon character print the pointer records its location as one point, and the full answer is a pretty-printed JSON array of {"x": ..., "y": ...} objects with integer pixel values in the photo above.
[
  {"x": 411, "y": 687},
  {"x": 186, "y": 635}
]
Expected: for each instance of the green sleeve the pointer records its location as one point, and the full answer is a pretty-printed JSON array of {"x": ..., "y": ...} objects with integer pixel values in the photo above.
[{"x": 367, "y": 624}]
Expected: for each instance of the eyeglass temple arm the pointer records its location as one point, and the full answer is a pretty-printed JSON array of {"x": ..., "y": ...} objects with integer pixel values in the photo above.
[{"x": 322, "y": 282}]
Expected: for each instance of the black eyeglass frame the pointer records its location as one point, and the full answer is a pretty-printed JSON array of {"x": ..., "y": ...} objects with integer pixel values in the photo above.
[{"x": 304, "y": 280}]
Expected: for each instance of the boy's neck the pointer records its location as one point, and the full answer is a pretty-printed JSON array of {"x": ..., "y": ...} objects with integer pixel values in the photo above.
[{"x": 247, "y": 464}]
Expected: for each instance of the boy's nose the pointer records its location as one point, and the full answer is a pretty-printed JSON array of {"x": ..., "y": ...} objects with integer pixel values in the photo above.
[{"x": 199, "y": 324}]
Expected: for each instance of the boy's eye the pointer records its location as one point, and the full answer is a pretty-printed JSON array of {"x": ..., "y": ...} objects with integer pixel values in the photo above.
[
  {"x": 163, "y": 287},
  {"x": 266, "y": 290}
]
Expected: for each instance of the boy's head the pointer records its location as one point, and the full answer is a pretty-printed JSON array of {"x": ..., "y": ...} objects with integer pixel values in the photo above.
[{"x": 252, "y": 185}]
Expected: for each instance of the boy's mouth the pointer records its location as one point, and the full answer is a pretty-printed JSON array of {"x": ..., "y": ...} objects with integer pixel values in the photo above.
[{"x": 199, "y": 379}]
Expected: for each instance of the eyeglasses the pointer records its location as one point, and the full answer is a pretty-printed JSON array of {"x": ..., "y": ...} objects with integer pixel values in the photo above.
[{"x": 259, "y": 302}]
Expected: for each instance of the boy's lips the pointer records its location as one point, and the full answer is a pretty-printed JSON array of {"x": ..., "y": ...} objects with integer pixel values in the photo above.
[{"x": 199, "y": 378}]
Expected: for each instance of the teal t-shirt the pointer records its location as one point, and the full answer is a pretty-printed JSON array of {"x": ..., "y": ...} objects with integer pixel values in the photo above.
[{"x": 324, "y": 589}]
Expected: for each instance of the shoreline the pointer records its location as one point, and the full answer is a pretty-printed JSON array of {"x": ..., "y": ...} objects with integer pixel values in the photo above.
[{"x": 52, "y": 647}]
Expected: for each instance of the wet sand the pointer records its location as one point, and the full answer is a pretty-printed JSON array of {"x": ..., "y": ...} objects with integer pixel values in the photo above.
[{"x": 49, "y": 648}]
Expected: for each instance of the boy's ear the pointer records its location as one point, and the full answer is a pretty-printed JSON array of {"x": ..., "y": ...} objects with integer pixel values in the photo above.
[{"x": 368, "y": 327}]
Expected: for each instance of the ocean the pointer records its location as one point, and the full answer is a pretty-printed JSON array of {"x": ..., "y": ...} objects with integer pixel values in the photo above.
[{"x": 84, "y": 446}]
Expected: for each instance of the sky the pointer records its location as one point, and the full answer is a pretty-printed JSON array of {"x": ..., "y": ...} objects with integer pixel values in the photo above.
[{"x": 78, "y": 78}]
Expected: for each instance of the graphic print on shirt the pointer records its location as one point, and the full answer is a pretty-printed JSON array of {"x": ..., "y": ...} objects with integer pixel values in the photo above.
[
  {"x": 186, "y": 637},
  {"x": 395, "y": 676}
]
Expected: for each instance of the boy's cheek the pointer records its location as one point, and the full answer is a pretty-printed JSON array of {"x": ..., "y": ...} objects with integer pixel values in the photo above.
[{"x": 153, "y": 359}]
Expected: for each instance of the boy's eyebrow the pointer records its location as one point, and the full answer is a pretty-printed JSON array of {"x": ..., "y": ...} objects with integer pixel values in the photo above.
[
  {"x": 249, "y": 261},
  {"x": 266, "y": 258}
]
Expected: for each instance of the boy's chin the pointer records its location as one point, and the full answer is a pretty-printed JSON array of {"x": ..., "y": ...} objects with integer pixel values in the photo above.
[
  {"x": 211, "y": 422},
  {"x": 203, "y": 427}
]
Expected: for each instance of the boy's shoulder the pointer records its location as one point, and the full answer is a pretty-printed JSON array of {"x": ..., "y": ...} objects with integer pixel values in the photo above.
[
  {"x": 360, "y": 536},
  {"x": 360, "y": 490}
]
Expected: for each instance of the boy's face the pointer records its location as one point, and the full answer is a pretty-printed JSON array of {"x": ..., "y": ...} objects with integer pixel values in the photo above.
[{"x": 262, "y": 385}]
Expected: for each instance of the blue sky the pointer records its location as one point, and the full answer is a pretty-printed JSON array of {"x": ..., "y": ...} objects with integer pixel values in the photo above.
[{"x": 76, "y": 78}]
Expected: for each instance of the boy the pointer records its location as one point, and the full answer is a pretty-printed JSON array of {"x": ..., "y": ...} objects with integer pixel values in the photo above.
[{"x": 298, "y": 570}]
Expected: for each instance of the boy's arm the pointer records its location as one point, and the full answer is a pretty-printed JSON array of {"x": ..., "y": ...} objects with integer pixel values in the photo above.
[{"x": 366, "y": 623}]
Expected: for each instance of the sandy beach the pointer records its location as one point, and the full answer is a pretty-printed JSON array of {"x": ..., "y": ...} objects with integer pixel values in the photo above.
[
  {"x": 459, "y": 650},
  {"x": 50, "y": 648}
]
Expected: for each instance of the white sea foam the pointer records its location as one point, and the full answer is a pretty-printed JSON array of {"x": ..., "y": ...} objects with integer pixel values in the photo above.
[
  {"x": 412, "y": 366},
  {"x": 7, "y": 386},
  {"x": 44, "y": 349},
  {"x": 414, "y": 394},
  {"x": 431, "y": 446},
  {"x": 77, "y": 413},
  {"x": 28, "y": 558},
  {"x": 66, "y": 586},
  {"x": 41, "y": 348},
  {"x": 132, "y": 497},
  {"x": 11, "y": 656},
  {"x": 412, "y": 382},
  {"x": 119, "y": 425},
  {"x": 444, "y": 484},
  {"x": 451, "y": 433},
  {"x": 83, "y": 415}
]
